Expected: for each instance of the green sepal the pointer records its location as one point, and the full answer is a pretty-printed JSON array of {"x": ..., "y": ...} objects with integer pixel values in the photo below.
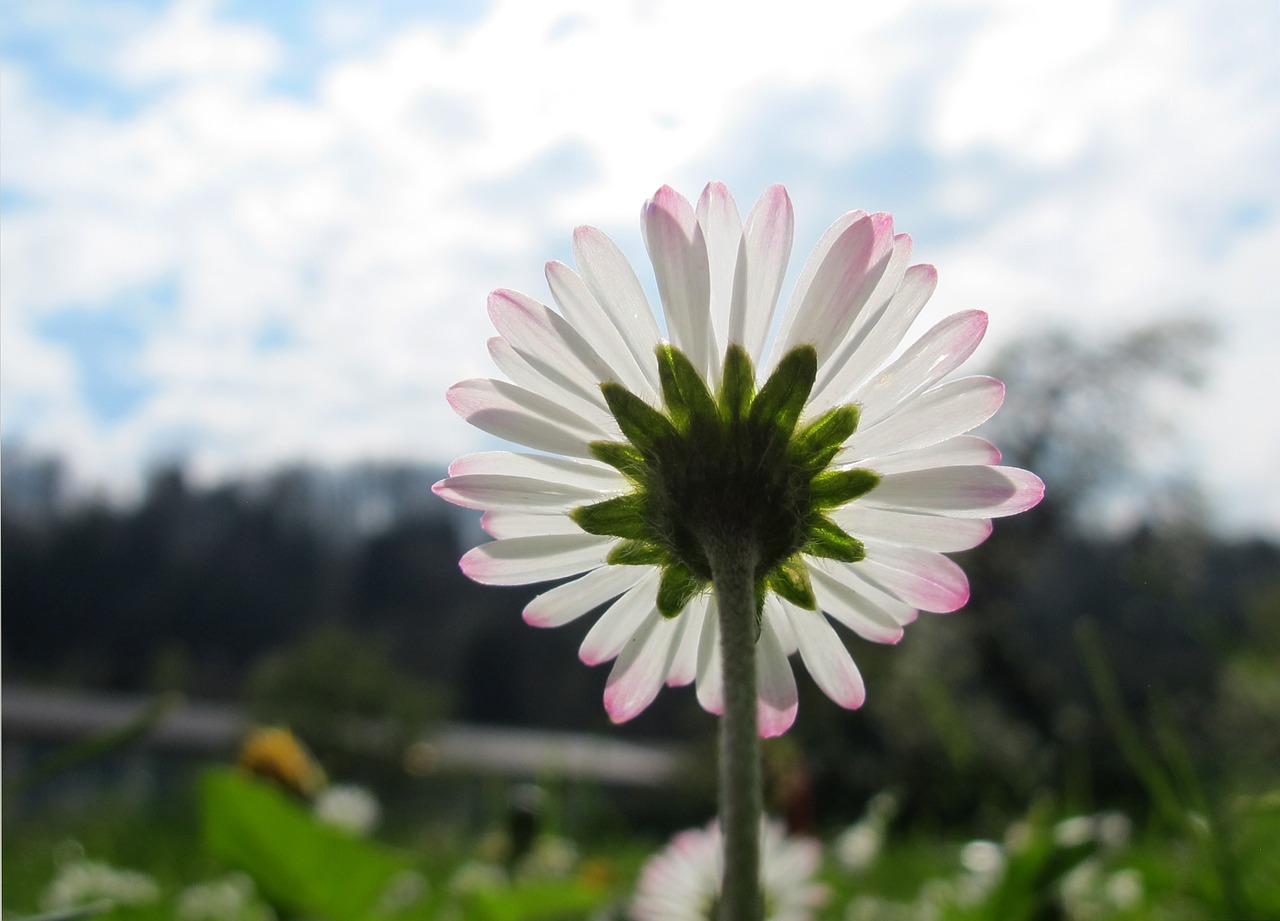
[
  {"x": 638, "y": 553},
  {"x": 816, "y": 444},
  {"x": 621, "y": 457},
  {"x": 737, "y": 385},
  {"x": 824, "y": 538},
  {"x": 644, "y": 426},
  {"x": 622, "y": 516},
  {"x": 677, "y": 588},
  {"x": 689, "y": 402},
  {"x": 790, "y": 580},
  {"x": 782, "y": 398},
  {"x": 832, "y": 488}
]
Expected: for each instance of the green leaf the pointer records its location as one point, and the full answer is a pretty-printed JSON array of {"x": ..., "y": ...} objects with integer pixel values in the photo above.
[
  {"x": 690, "y": 403},
  {"x": 833, "y": 488},
  {"x": 637, "y": 553},
  {"x": 622, "y": 516},
  {"x": 816, "y": 444},
  {"x": 622, "y": 457},
  {"x": 644, "y": 426},
  {"x": 784, "y": 394},
  {"x": 535, "y": 900},
  {"x": 300, "y": 864},
  {"x": 738, "y": 384},
  {"x": 677, "y": 588},
  {"x": 791, "y": 581},
  {"x": 825, "y": 538}
]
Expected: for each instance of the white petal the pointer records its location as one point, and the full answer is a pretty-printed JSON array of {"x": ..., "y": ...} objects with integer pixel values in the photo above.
[
  {"x": 642, "y": 665},
  {"x": 550, "y": 344},
  {"x": 490, "y": 491},
  {"x": 935, "y": 355},
  {"x": 923, "y": 579},
  {"x": 761, "y": 266},
  {"x": 523, "y": 374},
  {"x": 610, "y": 633},
  {"x": 862, "y": 355},
  {"x": 679, "y": 256},
  {"x": 840, "y": 288},
  {"x": 684, "y": 664},
  {"x": 506, "y": 523},
  {"x": 582, "y": 309},
  {"x": 564, "y": 603},
  {"x": 947, "y": 410},
  {"x": 710, "y": 678},
  {"x": 522, "y": 560},
  {"x": 589, "y": 474},
  {"x": 515, "y": 414},
  {"x": 960, "y": 451},
  {"x": 828, "y": 661},
  {"x": 847, "y": 600},
  {"x": 773, "y": 608},
  {"x": 616, "y": 289},
  {"x": 776, "y": 685},
  {"x": 963, "y": 492},
  {"x": 912, "y": 529},
  {"x": 811, "y": 266},
  {"x": 722, "y": 230},
  {"x": 846, "y": 365}
]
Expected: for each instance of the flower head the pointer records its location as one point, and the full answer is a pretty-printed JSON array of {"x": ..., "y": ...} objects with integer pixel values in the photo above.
[
  {"x": 682, "y": 883},
  {"x": 847, "y": 472}
]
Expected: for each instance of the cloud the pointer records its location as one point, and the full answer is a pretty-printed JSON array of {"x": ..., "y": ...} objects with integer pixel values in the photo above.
[{"x": 328, "y": 242}]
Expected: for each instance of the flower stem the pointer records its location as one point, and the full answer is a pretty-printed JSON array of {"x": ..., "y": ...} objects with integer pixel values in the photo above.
[{"x": 733, "y": 575}]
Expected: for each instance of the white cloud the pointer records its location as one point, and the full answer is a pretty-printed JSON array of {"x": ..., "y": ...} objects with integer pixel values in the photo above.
[{"x": 1094, "y": 160}]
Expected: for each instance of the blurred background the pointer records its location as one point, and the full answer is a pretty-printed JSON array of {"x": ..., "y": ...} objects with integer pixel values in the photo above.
[{"x": 244, "y": 249}]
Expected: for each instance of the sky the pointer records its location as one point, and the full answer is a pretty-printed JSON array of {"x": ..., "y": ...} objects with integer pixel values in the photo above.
[{"x": 242, "y": 234}]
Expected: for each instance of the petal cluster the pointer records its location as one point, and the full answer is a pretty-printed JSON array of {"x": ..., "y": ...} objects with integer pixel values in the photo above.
[
  {"x": 682, "y": 882},
  {"x": 719, "y": 278}
]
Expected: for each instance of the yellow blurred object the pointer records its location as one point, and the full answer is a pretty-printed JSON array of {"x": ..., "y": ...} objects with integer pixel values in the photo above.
[{"x": 276, "y": 754}]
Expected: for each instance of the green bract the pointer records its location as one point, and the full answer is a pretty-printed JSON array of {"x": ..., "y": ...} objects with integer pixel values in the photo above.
[{"x": 717, "y": 473}]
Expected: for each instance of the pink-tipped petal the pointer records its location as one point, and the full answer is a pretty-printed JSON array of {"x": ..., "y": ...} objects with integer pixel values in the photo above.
[
  {"x": 679, "y": 255},
  {"x": 861, "y": 355},
  {"x": 849, "y": 602},
  {"x": 616, "y": 625},
  {"x": 912, "y": 529},
  {"x": 614, "y": 286},
  {"x": 523, "y": 374},
  {"x": 581, "y": 308},
  {"x": 960, "y": 451},
  {"x": 589, "y": 474},
  {"x": 642, "y": 664},
  {"x": 841, "y": 287},
  {"x": 490, "y": 491},
  {"x": 963, "y": 492},
  {"x": 515, "y": 414},
  {"x": 921, "y": 578},
  {"x": 722, "y": 230},
  {"x": 564, "y": 603},
  {"x": 827, "y": 659},
  {"x": 524, "y": 560},
  {"x": 947, "y": 410},
  {"x": 777, "y": 702},
  {"x": 935, "y": 355},
  {"x": 761, "y": 265}
]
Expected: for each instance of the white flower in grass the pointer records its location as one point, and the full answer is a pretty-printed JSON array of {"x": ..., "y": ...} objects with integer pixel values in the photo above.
[
  {"x": 348, "y": 806},
  {"x": 682, "y": 882},
  {"x": 849, "y": 469}
]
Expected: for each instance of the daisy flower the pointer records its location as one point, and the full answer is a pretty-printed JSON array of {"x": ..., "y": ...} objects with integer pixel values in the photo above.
[
  {"x": 841, "y": 460},
  {"x": 682, "y": 883}
]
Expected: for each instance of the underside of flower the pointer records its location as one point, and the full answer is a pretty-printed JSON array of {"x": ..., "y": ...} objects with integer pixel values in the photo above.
[{"x": 728, "y": 473}]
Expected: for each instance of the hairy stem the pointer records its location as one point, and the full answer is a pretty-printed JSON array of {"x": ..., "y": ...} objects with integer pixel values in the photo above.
[{"x": 733, "y": 577}]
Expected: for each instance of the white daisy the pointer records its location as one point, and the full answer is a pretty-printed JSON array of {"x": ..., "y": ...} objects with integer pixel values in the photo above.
[
  {"x": 682, "y": 882},
  {"x": 849, "y": 467}
]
